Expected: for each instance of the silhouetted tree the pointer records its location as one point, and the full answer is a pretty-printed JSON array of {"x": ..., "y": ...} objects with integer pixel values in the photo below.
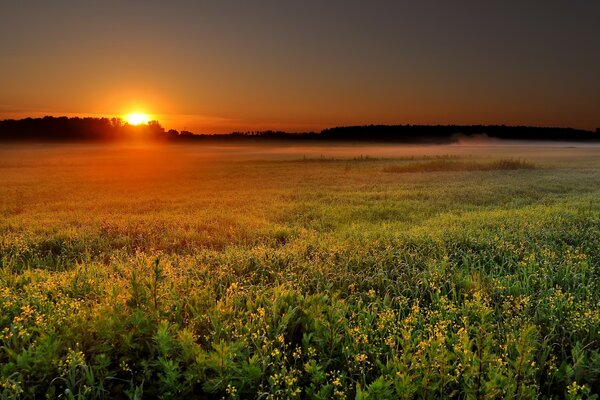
[
  {"x": 78, "y": 129},
  {"x": 105, "y": 129}
]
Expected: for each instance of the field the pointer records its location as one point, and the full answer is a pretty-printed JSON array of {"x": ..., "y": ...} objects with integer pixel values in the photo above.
[{"x": 281, "y": 272}]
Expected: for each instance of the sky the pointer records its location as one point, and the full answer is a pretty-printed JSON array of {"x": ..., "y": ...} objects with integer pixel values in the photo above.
[{"x": 221, "y": 66}]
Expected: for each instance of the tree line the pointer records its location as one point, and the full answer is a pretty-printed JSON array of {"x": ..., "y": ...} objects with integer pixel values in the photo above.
[
  {"x": 56, "y": 129},
  {"x": 59, "y": 129}
]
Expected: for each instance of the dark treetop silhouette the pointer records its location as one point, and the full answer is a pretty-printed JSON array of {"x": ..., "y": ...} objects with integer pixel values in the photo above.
[
  {"x": 76, "y": 129},
  {"x": 55, "y": 129}
]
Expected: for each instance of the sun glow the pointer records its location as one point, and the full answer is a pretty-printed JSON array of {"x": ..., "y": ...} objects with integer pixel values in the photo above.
[{"x": 137, "y": 118}]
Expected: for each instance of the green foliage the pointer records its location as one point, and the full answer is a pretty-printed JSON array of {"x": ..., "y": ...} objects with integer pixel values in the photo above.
[{"x": 300, "y": 279}]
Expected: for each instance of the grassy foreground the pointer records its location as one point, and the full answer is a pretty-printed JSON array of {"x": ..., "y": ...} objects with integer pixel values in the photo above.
[{"x": 192, "y": 272}]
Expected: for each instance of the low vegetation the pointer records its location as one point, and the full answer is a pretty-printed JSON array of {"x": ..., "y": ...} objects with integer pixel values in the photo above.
[
  {"x": 441, "y": 165},
  {"x": 181, "y": 273}
]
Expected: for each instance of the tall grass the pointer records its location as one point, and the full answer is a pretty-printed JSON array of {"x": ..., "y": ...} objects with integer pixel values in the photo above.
[
  {"x": 298, "y": 280},
  {"x": 451, "y": 165}
]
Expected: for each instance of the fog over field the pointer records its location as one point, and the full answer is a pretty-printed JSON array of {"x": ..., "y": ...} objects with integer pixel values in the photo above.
[{"x": 175, "y": 154}]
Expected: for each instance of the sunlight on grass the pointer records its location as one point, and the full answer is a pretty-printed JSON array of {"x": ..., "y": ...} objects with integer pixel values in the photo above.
[{"x": 181, "y": 273}]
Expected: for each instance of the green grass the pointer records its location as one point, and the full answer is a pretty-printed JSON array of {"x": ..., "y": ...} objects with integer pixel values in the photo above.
[{"x": 192, "y": 272}]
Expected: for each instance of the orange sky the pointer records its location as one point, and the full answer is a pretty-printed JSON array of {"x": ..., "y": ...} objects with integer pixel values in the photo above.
[{"x": 215, "y": 67}]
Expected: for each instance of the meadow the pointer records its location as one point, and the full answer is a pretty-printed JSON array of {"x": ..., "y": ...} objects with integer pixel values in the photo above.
[{"x": 313, "y": 272}]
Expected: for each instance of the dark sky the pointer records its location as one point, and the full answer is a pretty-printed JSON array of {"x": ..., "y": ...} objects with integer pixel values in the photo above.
[{"x": 216, "y": 66}]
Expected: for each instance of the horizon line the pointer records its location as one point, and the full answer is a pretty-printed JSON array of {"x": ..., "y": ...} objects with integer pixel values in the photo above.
[{"x": 273, "y": 130}]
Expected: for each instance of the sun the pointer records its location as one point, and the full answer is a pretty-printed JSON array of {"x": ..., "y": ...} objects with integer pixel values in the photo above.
[{"x": 137, "y": 118}]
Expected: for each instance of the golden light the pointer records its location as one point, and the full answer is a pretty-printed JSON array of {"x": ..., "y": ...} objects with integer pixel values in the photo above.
[{"x": 137, "y": 118}]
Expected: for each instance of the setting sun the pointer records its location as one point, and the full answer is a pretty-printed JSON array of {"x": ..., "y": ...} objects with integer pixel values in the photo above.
[{"x": 137, "y": 118}]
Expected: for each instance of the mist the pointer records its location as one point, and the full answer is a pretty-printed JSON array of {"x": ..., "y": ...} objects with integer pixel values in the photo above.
[{"x": 156, "y": 158}]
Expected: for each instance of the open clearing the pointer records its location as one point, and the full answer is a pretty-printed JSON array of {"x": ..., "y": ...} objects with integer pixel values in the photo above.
[{"x": 305, "y": 271}]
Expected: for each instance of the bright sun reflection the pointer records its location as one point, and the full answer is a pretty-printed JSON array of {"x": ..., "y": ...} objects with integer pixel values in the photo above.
[{"x": 137, "y": 118}]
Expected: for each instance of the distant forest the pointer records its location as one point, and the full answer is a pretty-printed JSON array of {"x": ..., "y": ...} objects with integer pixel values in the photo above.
[{"x": 61, "y": 129}]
